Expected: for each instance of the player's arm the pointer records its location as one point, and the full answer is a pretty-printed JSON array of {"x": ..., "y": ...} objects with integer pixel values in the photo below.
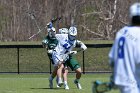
[
  {"x": 113, "y": 52},
  {"x": 81, "y": 44},
  {"x": 111, "y": 59}
]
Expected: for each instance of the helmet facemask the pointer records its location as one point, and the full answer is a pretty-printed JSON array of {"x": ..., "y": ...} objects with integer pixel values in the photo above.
[
  {"x": 71, "y": 37},
  {"x": 52, "y": 33}
]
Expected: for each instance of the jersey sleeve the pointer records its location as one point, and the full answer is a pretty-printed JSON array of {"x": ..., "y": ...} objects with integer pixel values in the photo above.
[
  {"x": 113, "y": 52},
  {"x": 81, "y": 44}
]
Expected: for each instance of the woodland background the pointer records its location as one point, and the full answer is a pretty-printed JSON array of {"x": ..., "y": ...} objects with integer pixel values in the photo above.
[{"x": 95, "y": 19}]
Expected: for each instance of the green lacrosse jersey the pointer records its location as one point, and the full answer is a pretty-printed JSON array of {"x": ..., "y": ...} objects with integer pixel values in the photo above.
[{"x": 51, "y": 42}]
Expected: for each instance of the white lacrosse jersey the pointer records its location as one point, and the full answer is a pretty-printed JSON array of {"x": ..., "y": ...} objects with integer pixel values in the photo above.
[
  {"x": 125, "y": 53},
  {"x": 64, "y": 47}
]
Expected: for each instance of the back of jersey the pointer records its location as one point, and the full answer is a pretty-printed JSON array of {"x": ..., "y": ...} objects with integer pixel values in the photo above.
[{"x": 125, "y": 54}]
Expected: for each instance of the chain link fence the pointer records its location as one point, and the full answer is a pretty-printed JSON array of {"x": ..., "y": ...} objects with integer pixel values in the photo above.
[{"x": 34, "y": 59}]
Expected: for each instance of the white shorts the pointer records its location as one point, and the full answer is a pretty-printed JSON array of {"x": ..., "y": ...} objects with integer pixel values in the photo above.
[
  {"x": 59, "y": 58},
  {"x": 129, "y": 89}
]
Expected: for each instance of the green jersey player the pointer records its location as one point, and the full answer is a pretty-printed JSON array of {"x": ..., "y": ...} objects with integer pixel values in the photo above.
[{"x": 50, "y": 42}]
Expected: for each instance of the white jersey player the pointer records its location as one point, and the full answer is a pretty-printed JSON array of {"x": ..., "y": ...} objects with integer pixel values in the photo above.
[
  {"x": 125, "y": 54},
  {"x": 65, "y": 69},
  {"x": 65, "y": 45}
]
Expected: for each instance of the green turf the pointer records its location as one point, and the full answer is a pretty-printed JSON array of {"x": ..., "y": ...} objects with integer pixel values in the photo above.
[{"x": 38, "y": 83}]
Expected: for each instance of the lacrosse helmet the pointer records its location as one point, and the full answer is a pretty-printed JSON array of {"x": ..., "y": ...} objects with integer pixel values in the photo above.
[
  {"x": 51, "y": 32},
  {"x": 63, "y": 31},
  {"x": 72, "y": 33},
  {"x": 135, "y": 10},
  {"x": 134, "y": 14}
]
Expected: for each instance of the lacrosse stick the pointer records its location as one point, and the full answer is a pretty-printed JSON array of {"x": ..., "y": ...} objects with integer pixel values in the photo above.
[
  {"x": 73, "y": 52},
  {"x": 33, "y": 18},
  {"x": 101, "y": 87},
  {"x": 40, "y": 30}
]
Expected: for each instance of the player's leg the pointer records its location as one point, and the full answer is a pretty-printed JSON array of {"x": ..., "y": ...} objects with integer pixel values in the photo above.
[
  {"x": 54, "y": 72},
  {"x": 78, "y": 76},
  {"x": 65, "y": 75},
  {"x": 58, "y": 66},
  {"x": 59, "y": 74},
  {"x": 57, "y": 82},
  {"x": 73, "y": 64},
  {"x": 52, "y": 76}
]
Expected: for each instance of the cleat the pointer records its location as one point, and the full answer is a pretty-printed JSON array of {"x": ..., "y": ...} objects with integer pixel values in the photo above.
[
  {"x": 60, "y": 83},
  {"x": 78, "y": 84},
  {"x": 66, "y": 86},
  {"x": 57, "y": 86}
]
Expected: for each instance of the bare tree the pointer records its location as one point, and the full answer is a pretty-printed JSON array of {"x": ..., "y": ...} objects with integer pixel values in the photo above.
[{"x": 96, "y": 19}]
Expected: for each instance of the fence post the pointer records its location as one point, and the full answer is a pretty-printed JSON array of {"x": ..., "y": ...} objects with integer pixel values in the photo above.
[
  {"x": 83, "y": 62},
  {"x": 18, "y": 59}
]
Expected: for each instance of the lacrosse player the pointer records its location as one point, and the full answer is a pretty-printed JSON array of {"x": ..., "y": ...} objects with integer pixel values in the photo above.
[
  {"x": 50, "y": 42},
  {"x": 66, "y": 42},
  {"x": 125, "y": 54},
  {"x": 64, "y": 71}
]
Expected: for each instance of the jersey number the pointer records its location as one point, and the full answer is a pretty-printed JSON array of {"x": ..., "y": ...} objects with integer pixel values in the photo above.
[
  {"x": 66, "y": 46},
  {"x": 121, "y": 47}
]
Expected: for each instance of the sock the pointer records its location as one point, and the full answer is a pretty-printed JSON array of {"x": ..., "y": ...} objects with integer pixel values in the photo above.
[
  {"x": 59, "y": 79},
  {"x": 65, "y": 82}
]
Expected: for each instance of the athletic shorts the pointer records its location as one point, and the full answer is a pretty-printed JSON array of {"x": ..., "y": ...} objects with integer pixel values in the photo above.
[
  {"x": 59, "y": 58},
  {"x": 72, "y": 63}
]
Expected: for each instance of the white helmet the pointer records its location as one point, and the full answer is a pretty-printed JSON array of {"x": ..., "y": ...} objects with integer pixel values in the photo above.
[
  {"x": 135, "y": 10},
  {"x": 63, "y": 31},
  {"x": 73, "y": 31}
]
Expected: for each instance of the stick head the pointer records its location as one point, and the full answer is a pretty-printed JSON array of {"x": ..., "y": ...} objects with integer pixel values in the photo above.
[{"x": 55, "y": 19}]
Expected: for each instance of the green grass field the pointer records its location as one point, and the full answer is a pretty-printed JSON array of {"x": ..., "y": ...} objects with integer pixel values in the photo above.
[
  {"x": 35, "y": 60},
  {"x": 38, "y": 83}
]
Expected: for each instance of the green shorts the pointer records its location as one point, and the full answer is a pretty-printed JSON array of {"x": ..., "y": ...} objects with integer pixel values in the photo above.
[{"x": 72, "y": 63}]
